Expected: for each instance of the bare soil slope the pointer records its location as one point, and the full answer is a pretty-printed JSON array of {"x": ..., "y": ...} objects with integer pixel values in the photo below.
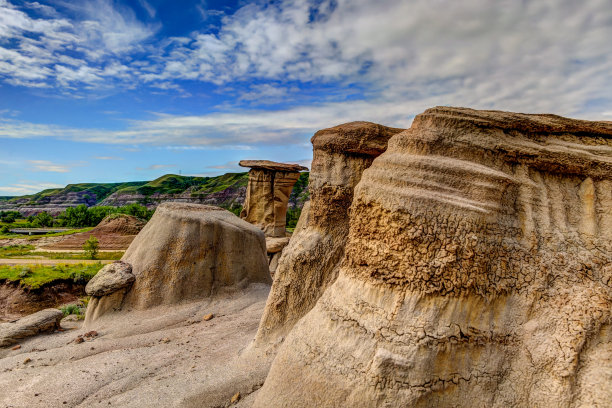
[{"x": 115, "y": 232}]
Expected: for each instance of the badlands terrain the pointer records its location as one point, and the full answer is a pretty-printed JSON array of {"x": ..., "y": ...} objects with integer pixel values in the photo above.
[{"x": 466, "y": 261}]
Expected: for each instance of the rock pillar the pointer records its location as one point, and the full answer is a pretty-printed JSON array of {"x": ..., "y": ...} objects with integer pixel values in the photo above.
[
  {"x": 310, "y": 262},
  {"x": 268, "y": 191}
]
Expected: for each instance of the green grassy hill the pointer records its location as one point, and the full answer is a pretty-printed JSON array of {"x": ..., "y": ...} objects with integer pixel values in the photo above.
[
  {"x": 96, "y": 192},
  {"x": 175, "y": 184},
  {"x": 227, "y": 190}
]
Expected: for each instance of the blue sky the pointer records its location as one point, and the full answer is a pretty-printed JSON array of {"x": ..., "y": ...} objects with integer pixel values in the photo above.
[{"x": 103, "y": 90}]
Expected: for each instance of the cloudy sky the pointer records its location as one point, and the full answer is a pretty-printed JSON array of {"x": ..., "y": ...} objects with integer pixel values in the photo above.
[{"x": 103, "y": 90}]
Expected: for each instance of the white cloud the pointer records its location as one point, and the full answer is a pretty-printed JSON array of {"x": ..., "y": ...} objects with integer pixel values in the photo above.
[
  {"x": 47, "y": 166},
  {"x": 244, "y": 129},
  {"x": 26, "y": 187},
  {"x": 230, "y": 165},
  {"x": 401, "y": 56},
  {"x": 156, "y": 167},
  {"x": 60, "y": 51},
  {"x": 108, "y": 158},
  {"x": 147, "y": 7}
]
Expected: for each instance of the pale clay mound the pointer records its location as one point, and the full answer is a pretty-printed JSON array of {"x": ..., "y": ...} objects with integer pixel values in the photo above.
[
  {"x": 187, "y": 252},
  {"x": 478, "y": 272}
]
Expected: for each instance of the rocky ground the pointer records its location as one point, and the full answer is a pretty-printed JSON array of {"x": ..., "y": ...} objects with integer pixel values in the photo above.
[{"x": 161, "y": 357}]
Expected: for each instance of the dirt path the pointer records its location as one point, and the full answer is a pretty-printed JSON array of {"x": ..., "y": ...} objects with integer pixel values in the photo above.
[{"x": 33, "y": 261}]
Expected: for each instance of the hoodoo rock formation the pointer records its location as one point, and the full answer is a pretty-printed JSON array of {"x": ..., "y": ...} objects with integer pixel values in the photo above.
[
  {"x": 270, "y": 185},
  {"x": 186, "y": 252},
  {"x": 478, "y": 271},
  {"x": 309, "y": 263}
]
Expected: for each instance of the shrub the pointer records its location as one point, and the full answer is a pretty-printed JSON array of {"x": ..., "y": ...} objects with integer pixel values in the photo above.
[
  {"x": 91, "y": 247},
  {"x": 25, "y": 272},
  {"x": 73, "y": 309}
]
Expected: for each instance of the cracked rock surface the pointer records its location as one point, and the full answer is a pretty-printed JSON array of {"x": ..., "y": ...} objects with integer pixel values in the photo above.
[
  {"x": 477, "y": 272},
  {"x": 309, "y": 264}
]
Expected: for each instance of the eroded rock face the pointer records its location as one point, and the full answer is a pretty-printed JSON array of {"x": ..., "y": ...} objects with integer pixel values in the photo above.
[
  {"x": 309, "y": 263},
  {"x": 478, "y": 272},
  {"x": 268, "y": 192},
  {"x": 187, "y": 252}
]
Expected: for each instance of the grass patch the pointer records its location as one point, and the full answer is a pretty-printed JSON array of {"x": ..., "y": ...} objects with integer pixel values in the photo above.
[
  {"x": 12, "y": 251},
  {"x": 54, "y": 234},
  {"x": 21, "y": 251},
  {"x": 35, "y": 276}
]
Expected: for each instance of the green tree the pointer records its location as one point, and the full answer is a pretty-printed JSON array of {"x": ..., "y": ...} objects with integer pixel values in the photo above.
[
  {"x": 91, "y": 247},
  {"x": 76, "y": 216},
  {"x": 136, "y": 210},
  {"x": 97, "y": 214},
  {"x": 9, "y": 217},
  {"x": 43, "y": 219}
]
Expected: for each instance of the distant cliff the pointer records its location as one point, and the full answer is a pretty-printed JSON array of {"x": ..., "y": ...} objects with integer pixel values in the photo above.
[{"x": 227, "y": 190}]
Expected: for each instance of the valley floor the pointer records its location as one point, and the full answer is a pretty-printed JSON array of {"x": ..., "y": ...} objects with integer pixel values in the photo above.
[{"x": 163, "y": 357}]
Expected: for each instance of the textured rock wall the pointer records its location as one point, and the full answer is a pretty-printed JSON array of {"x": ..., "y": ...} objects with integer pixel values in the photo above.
[
  {"x": 187, "y": 252},
  {"x": 309, "y": 263},
  {"x": 478, "y": 272}
]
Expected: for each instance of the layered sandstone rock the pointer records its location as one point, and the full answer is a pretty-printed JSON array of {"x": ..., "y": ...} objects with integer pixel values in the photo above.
[
  {"x": 187, "y": 252},
  {"x": 268, "y": 191},
  {"x": 309, "y": 263},
  {"x": 478, "y": 272}
]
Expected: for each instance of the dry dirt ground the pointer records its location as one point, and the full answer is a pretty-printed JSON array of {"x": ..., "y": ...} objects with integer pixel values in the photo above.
[{"x": 162, "y": 357}]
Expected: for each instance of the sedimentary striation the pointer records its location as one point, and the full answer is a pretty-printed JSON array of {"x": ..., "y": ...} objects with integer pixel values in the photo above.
[
  {"x": 309, "y": 263},
  {"x": 187, "y": 252},
  {"x": 270, "y": 185},
  {"x": 478, "y": 272}
]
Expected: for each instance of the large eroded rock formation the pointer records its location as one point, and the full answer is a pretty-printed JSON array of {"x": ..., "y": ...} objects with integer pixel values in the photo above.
[
  {"x": 478, "y": 272},
  {"x": 187, "y": 252},
  {"x": 309, "y": 263},
  {"x": 268, "y": 192}
]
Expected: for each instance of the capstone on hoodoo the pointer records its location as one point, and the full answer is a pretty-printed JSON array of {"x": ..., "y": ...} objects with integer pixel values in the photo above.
[{"x": 268, "y": 190}]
